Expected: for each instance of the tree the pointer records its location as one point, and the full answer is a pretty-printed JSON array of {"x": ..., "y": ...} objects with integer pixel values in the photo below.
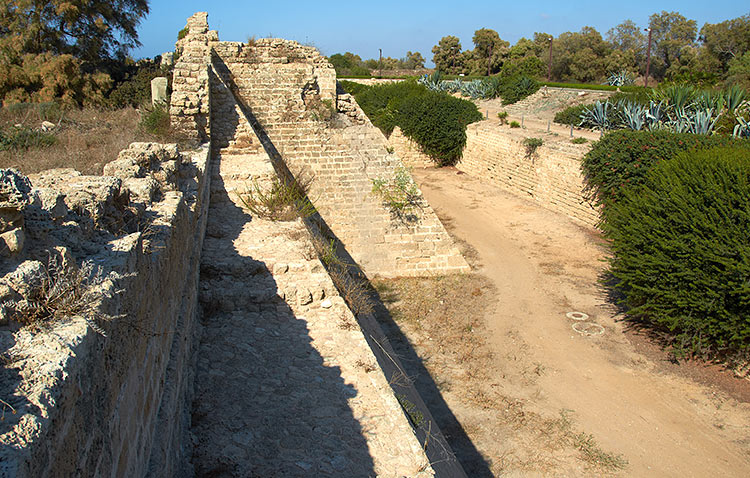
[
  {"x": 739, "y": 71},
  {"x": 671, "y": 32},
  {"x": 92, "y": 30},
  {"x": 578, "y": 56},
  {"x": 627, "y": 37},
  {"x": 727, "y": 40},
  {"x": 447, "y": 55},
  {"x": 489, "y": 50},
  {"x": 413, "y": 60}
]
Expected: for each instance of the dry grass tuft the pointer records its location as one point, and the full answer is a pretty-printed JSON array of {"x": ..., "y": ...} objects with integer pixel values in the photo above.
[
  {"x": 62, "y": 290},
  {"x": 86, "y": 139}
]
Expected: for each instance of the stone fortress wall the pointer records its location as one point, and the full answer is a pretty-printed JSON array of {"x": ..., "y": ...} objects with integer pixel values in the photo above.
[
  {"x": 109, "y": 392},
  {"x": 551, "y": 176},
  {"x": 85, "y": 404}
]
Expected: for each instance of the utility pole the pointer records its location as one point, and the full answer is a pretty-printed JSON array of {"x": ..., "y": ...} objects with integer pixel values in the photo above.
[
  {"x": 380, "y": 62},
  {"x": 648, "y": 56},
  {"x": 549, "y": 64}
]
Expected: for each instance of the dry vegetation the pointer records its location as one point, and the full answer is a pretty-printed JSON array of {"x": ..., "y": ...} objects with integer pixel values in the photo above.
[
  {"x": 85, "y": 139},
  {"x": 494, "y": 433}
]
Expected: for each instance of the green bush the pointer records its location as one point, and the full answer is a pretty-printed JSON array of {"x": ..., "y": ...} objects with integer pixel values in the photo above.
[
  {"x": 436, "y": 121},
  {"x": 517, "y": 88},
  {"x": 622, "y": 158},
  {"x": 352, "y": 87},
  {"x": 515, "y": 124},
  {"x": 23, "y": 137},
  {"x": 681, "y": 250},
  {"x": 571, "y": 115},
  {"x": 135, "y": 90},
  {"x": 155, "y": 121}
]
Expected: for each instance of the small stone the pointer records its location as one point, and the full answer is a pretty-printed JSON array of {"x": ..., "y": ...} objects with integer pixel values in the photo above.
[
  {"x": 305, "y": 297},
  {"x": 11, "y": 242},
  {"x": 326, "y": 304},
  {"x": 280, "y": 268},
  {"x": 47, "y": 126},
  {"x": 304, "y": 465}
]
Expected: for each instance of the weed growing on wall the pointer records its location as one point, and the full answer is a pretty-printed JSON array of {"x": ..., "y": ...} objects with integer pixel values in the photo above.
[
  {"x": 155, "y": 120},
  {"x": 62, "y": 290},
  {"x": 531, "y": 145},
  {"x": 285, "y": 200},
  {"x": 399, "y": 194}
]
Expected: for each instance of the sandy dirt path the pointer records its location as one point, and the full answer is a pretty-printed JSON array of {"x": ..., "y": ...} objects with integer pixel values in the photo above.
[{"x": 545, "y": 266}]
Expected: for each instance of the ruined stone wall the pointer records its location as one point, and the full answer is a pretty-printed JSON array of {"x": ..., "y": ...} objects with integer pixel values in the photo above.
[
  {"x": 551, "y": 176},
  {"x": 190, "y": 102},
  {"x": 288, "y": 92},
  {"x": 90, "y": 404}
]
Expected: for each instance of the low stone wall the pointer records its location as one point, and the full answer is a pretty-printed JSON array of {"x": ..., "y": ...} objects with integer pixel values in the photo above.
[
  {"x": 116, "y": 405},
  {"x": 551, "y": 176}
]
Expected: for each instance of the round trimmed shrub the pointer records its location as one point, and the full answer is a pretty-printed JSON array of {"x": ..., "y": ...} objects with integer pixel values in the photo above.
[{"x": 681, "y": 250}]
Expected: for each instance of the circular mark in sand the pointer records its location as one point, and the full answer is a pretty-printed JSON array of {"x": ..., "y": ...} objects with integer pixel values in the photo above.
[
  {"x": 588, "y": 329},
  {"x": 577, "y": 316}
]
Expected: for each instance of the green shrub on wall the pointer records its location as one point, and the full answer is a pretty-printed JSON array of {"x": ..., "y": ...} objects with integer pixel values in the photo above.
[
  {"x": 571, "y": 115},
  {"x": 681, "y": 249},
  {"x": 436, "y": 121},
  {"x": 621, "y": 159}
]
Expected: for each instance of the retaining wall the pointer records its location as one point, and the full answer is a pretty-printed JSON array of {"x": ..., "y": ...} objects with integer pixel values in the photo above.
[{"x": 551, "y": 176}]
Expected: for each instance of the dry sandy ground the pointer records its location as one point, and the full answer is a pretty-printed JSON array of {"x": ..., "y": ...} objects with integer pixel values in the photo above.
[{"x": 543, "y": 266}]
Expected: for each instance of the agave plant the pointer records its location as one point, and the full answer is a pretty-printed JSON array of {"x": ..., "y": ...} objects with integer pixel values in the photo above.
[
  {"x": 654, "y": 115},
  {"x": 702, "y": 121},
  {"x": 707, "y": 99},
  {"x": 734, "y": 97},
  {"x": 633, "y": 115},
  {"x": 431, "y": 82},
  {"x": 598, "y": 116},
  {"x": 620, "y": 78},
  {"x": 676, "y": 96},
  {"x": 742, "y": 128}
]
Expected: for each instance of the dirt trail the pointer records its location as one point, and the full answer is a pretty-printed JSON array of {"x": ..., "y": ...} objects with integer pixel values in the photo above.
[{"x": 544, "y": 266}]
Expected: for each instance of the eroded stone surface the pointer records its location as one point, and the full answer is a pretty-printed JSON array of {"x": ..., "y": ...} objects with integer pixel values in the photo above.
[{"x": 286, "y": 384}]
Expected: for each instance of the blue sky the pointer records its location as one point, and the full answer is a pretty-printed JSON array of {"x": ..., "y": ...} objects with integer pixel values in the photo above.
[{"x": 398, "y": 26}]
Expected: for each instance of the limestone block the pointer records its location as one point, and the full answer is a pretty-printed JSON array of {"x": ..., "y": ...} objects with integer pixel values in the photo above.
[
  {"x": 11, "y": 242},
  {"x": 159, "y": 91},
  {"x": 15, "y": 189}
]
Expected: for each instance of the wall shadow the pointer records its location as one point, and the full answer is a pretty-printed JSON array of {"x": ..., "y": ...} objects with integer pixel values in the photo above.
[
  {"x": 410, "y": 382},
  {"x": 266, "y": 404}
]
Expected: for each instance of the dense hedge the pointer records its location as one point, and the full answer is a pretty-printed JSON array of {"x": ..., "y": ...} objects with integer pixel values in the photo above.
[
  {"x": 571, "y": 115},
  {"x": 623, "y": 158},
  {"x": 681, "y": 249},
  {"x": 516, "y": 88},
  {"x": 436, "y": 121}
]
